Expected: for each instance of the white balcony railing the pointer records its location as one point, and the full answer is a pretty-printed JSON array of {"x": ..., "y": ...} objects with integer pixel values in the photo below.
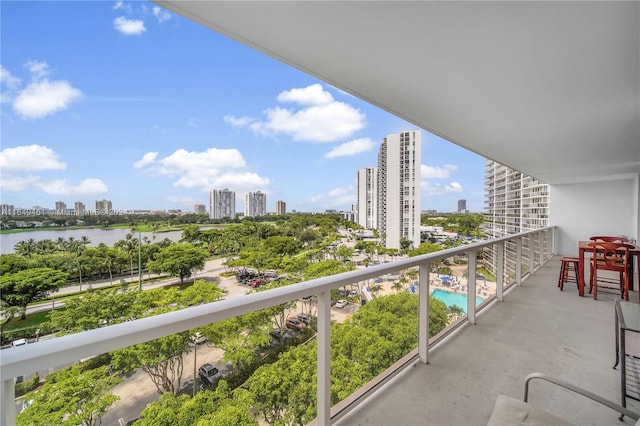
[{"x": 24, "y": 360}]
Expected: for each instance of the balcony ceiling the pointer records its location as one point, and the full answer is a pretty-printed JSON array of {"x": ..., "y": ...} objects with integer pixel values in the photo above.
[{"x": 549, "y": 88}]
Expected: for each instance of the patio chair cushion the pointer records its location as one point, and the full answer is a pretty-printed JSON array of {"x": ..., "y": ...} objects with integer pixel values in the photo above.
[{"x": 510, "y": 411}]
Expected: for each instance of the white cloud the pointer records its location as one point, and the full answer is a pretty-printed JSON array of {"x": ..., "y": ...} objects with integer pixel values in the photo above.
[
  {"x": 129, "y": 26},
  {"x": 44, "y": 97},
  {"x": 453, "y": 187},
  {"x": 435, "y": 189},
  {"x": 37, "y": 69},
  {"x": 161, "y": 14},
  {"x": 207, "y": 170},
  {"x": 120, "y": 5},
  {"x": 29, "y": 158},
  {"x": 351, "y": 148},
  {"x": 148, "y": 158},
  {"x": 61, "y": 187},
  {"x": 321, "y": 118},
  {"x": 444, "y": 172},
  {"x": 9, "y": 81},
  {"x": 237, "y": 121},
  {"x": 320, "y": 123},
  {"x": 192, "y": 122},
  {"x": 16, "y": 183},
  {"x": 336, "y": 198},
  {"x": 310, "y": 95}
]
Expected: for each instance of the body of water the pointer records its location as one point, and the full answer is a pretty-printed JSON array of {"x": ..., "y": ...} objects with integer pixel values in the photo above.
[
  {"x": 95, "y": 235},
  {"x": 450, "y": 298}
]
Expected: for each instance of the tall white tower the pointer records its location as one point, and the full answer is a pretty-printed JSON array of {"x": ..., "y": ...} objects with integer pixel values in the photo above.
[
  {"x": 222, "y": 203},
  {"x": 399, "y": 205},
  {"x": 367, "y": 207},
  {"x": 514, "y": 203},
  {"x": 255, "y": 204}
]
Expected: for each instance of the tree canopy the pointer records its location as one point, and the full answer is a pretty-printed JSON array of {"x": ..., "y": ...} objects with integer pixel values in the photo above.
[
  {"x": 179, "y": 260},
  {"x": 29, "y": 285}
]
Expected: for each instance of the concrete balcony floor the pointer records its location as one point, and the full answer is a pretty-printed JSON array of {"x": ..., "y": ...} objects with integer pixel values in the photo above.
[{"x": 536, "y": 328}]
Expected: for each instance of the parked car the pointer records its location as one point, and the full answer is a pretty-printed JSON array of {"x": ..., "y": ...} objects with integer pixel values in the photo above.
[
  {"x": 257, "y": 283},
  {"x": 295, "y": 323},
  {"x": 19, "y": 342},
  {"x": 209, "y": 374},
  {"x": 353, "y": 293},
  {"x": 279, "y": 335},
  {"x": 197, "y": 339},
  {"x": 341, "y": 303},
  {"x": 305, "y": 318}
]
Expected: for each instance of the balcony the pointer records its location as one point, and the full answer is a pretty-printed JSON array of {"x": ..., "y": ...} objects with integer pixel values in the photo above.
[{"x": 535, "y": 328}]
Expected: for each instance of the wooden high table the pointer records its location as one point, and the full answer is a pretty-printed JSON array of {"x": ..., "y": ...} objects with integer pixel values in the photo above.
[{"x": 583, "y": 246}]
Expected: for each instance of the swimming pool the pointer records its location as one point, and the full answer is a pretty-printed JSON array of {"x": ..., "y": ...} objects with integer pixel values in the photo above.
[{"x": 450, "y": 298}]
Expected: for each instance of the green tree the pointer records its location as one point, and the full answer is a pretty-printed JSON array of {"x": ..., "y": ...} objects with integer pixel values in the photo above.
[
  {"x": 179, "y": 260},
  {"x": 12, "y": 263},
  {"x": 76, "y": 396},
  {"x": 161, "y": 359},
  {"x": 30, "y": 285},
  {"x": 219, "y": 407}
]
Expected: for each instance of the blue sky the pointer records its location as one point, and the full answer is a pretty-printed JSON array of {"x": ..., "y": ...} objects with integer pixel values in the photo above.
[{"x": 127, "y": 102}]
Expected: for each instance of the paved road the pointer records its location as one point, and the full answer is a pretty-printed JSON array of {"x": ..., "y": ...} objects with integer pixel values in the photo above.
[{"x": 211, "y": 271}]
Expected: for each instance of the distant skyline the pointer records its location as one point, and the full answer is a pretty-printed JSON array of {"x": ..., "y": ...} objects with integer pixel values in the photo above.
[{"x": 127, "y": 102}]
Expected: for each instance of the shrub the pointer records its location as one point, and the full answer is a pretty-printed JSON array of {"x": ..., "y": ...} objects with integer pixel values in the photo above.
[{"x": 26, "y": 387}]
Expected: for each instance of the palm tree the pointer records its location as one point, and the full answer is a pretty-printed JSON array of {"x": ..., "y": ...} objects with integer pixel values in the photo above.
[
  {"x": 84, "y": 240},
  {"x": 25, "y": 248},
  {"x": 375, "y": 289}
]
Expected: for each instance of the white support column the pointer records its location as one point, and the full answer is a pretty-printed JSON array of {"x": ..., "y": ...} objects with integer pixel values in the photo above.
[
  {"x": 324, "y": 358},
  {"x": 471, "y": 287},
  {"x": 500, "y": 270},
  {"x": 423, "y": 311},
  {"x": 8, "y": 395},
  {"x": 519, "y": 261}
]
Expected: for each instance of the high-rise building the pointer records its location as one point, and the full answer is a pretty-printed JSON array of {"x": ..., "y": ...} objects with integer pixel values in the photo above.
[
  {"x": 367, "y": 204},
  {"x": 61, "y": 208},
  {"x": 79, "y": 208},
  {"x": 103, "y": 206},
  {"x": 6, "y": 209},
  {"x": 399, "y": 162},
  {"x": 255, "y": 204},
  {"x": 222, "y": 203},
  {"x": 281, "y": 208},
  {"x": 514, "y": 202},
  {"x": 462, "y": 206},
  {"x": 200, "y": 209}
]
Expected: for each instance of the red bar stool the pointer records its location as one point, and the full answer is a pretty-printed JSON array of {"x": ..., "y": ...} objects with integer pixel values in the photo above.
[{"x": 568, "y": 263}]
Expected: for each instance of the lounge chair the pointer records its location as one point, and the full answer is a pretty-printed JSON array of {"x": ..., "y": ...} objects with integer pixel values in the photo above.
[{"x": 510, "y": 411}]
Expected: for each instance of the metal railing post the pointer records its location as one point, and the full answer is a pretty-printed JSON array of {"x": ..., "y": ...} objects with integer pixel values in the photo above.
[
  {"x": 519, "y": 261},
  {"x": 8, "y": 395},
  {"x": 471, "y": 287},
  {"x": 532, "y": 253},
  {"x": 500, "y": 270},
  {"x": 423, "y": 311},
  {"x": 324, "y": 359}
]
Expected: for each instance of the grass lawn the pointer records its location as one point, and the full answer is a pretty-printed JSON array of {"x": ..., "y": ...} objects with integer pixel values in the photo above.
[{"x": 32, "y": 320}]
